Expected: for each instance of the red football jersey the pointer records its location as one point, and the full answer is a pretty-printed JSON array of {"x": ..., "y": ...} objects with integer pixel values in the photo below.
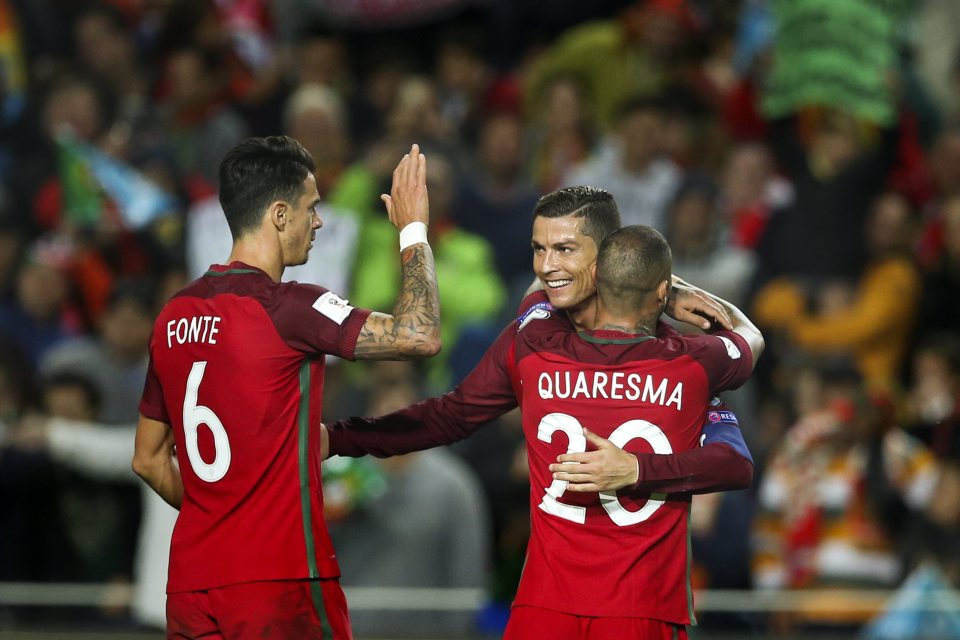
[
  {"x": 612, "y": 553},
  {"x": 236, "y": 368}
]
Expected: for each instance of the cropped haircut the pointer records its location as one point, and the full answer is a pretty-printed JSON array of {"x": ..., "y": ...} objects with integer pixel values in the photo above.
[
  {"x": 259, "y": 171},
  {"x": 599, "y": 211},
  {"x": 70, "y": 378},
  {"x": 631, "y": 264}
]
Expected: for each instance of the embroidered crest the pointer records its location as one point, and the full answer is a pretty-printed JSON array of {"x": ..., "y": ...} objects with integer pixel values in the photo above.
[
  {"x": 722, "y": 416},
  {"x": 539, "y": 311}
]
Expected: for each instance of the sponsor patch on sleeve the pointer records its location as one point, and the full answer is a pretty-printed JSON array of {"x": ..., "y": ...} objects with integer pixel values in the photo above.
[
  {"x": 539, "y": 311},
  {"x": 732, "y": 349},
  {"x": 333, "y": 306},
  {"x": 721, "y": 416}
]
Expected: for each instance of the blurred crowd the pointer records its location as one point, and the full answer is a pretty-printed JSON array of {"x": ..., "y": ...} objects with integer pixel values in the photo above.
[{"x": 814, "y": 182}]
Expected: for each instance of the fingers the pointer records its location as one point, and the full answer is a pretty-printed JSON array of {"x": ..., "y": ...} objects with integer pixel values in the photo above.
[
  {"x": 584, "y": 488},
  {"x": 568, "y": 468},
  {"x": 579, "y": 481},
  {"x": 717, "y": 312},
  {"x": 388, "y": 202},
  {"x": 598, "y": 441},
  {"x": 421, "y": 177},
  {"x": 410, "y": 173},
  {"x": 324, "y": 442},
  {"x": 699, "y": 310},
  {"x": 408, "y": 194},
  {"x": 575, "y": 458},
  {"x": 403, "y": 174}
]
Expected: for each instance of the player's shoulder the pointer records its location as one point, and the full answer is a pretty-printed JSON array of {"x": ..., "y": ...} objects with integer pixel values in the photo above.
[
  {"x": 534, "y": 306},
  {"x": 725, "y": 340},
  {"x": 250, "y": 284}
]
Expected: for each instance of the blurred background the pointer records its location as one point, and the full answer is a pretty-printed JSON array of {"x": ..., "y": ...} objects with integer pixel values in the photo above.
[{"x": 801, "y": 156}]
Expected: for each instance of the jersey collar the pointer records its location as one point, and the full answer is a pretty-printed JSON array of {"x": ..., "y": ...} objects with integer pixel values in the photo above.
[
  {"x": 605, "y": 336},
  {"x": 234, "y": 268}
]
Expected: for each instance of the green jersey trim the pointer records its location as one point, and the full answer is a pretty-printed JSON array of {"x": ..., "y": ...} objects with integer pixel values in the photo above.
[{"x": 303, "y": 458}]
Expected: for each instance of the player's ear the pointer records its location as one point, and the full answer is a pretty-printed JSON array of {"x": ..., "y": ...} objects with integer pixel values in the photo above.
[
  {"x": 278, "y": 214},
  {"x": 663, "y": 291}
]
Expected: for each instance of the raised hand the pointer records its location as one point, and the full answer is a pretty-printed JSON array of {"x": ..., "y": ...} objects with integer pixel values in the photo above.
[
  {"x": 607, "y": 469},
  {"x": 413, "y": 330},
  {"x": 408, "y": 201}
]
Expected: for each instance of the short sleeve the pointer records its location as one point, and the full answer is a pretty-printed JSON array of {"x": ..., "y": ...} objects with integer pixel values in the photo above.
[
  {"x": 152, "y": 404},
  {"x": 311, "y": 319},
  {"x": 726, "y": 358}
]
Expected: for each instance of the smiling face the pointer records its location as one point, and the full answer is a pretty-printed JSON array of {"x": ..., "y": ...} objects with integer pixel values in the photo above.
[
  {"x": 564, "y": 260},
  {"x": 302, "y": 222}
]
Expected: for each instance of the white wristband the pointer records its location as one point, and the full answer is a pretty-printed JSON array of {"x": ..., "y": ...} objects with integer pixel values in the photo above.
[{"x": 413, "y": 233}]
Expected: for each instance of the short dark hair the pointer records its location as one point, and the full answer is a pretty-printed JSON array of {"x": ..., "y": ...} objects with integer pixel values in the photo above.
[
  {"x": 137, "y": 291},
  {"x": 259, "y": 171},
  {"x": 67, "y": 377},
  {"x": 642, "y": 103},
  {"x": 631, "y": 263},
  {"x": 599, "y": 211}
]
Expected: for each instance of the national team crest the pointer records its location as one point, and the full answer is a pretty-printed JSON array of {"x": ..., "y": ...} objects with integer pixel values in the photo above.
[{"x": 539, "y": 311}]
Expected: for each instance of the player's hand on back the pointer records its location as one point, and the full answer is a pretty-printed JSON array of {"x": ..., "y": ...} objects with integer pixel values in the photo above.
[
  {"x": 408, "y": 201},
  {"x": 608, "y": 468},
  {"x": 694, "y": 306}
]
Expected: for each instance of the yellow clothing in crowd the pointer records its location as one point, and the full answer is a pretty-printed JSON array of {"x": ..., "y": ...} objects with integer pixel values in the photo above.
[{"x": 874, "y": 328}]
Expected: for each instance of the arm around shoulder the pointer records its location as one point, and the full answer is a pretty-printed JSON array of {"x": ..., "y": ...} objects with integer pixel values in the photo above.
[
  {"x": 707, "y": 469},
  {"x": 739, "y": 322}
]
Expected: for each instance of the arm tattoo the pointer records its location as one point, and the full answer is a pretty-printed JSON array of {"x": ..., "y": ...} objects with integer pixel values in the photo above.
[{"x": 413, "y": 331}]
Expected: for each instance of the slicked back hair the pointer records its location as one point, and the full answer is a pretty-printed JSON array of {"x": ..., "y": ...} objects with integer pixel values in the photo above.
[
  {"x": 259, "y": 171},
  {"x": 599, "y": 211},
  {"x": 631, "y": 264}
]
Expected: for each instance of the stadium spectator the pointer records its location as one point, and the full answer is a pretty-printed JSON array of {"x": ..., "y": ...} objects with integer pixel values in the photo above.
[
  {"x": 840, "y": 492},
  {"x": 871, "y": 323},
  {"x": 700, "y": 241},
  {"x": 837, "y": 166},
  {"x": 563, "y": 133},
  {"x": 496, "y": 196},
  {"x": 940, "y": 298},
  {"x": 431, "y": 506},
  {"x": 38, "y": 317},
  {"x": 639, "y": 51},
  {"x": 635, "y": 169},
  {"x": 115, "y": 359}
]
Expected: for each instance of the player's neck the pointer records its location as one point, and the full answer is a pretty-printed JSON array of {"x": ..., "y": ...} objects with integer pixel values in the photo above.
[
  {"x": 255, "y": 254},
  {"x": 584, "y": 316},
  {"x": 633, "y": 323}
]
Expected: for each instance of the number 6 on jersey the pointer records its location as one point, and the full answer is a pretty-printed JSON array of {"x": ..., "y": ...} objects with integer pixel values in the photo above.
[{"x": 193, "y": 416}]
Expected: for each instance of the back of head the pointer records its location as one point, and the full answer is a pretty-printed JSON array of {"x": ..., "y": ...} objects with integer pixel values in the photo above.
[
  {"x": 596, "y": 207},
  {"x": 259, "y": 171},
  {"x": 631, "y": 264}
]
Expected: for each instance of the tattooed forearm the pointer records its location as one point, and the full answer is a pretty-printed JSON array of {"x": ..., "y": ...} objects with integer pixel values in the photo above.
[{"x": 413, "y": 331}]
